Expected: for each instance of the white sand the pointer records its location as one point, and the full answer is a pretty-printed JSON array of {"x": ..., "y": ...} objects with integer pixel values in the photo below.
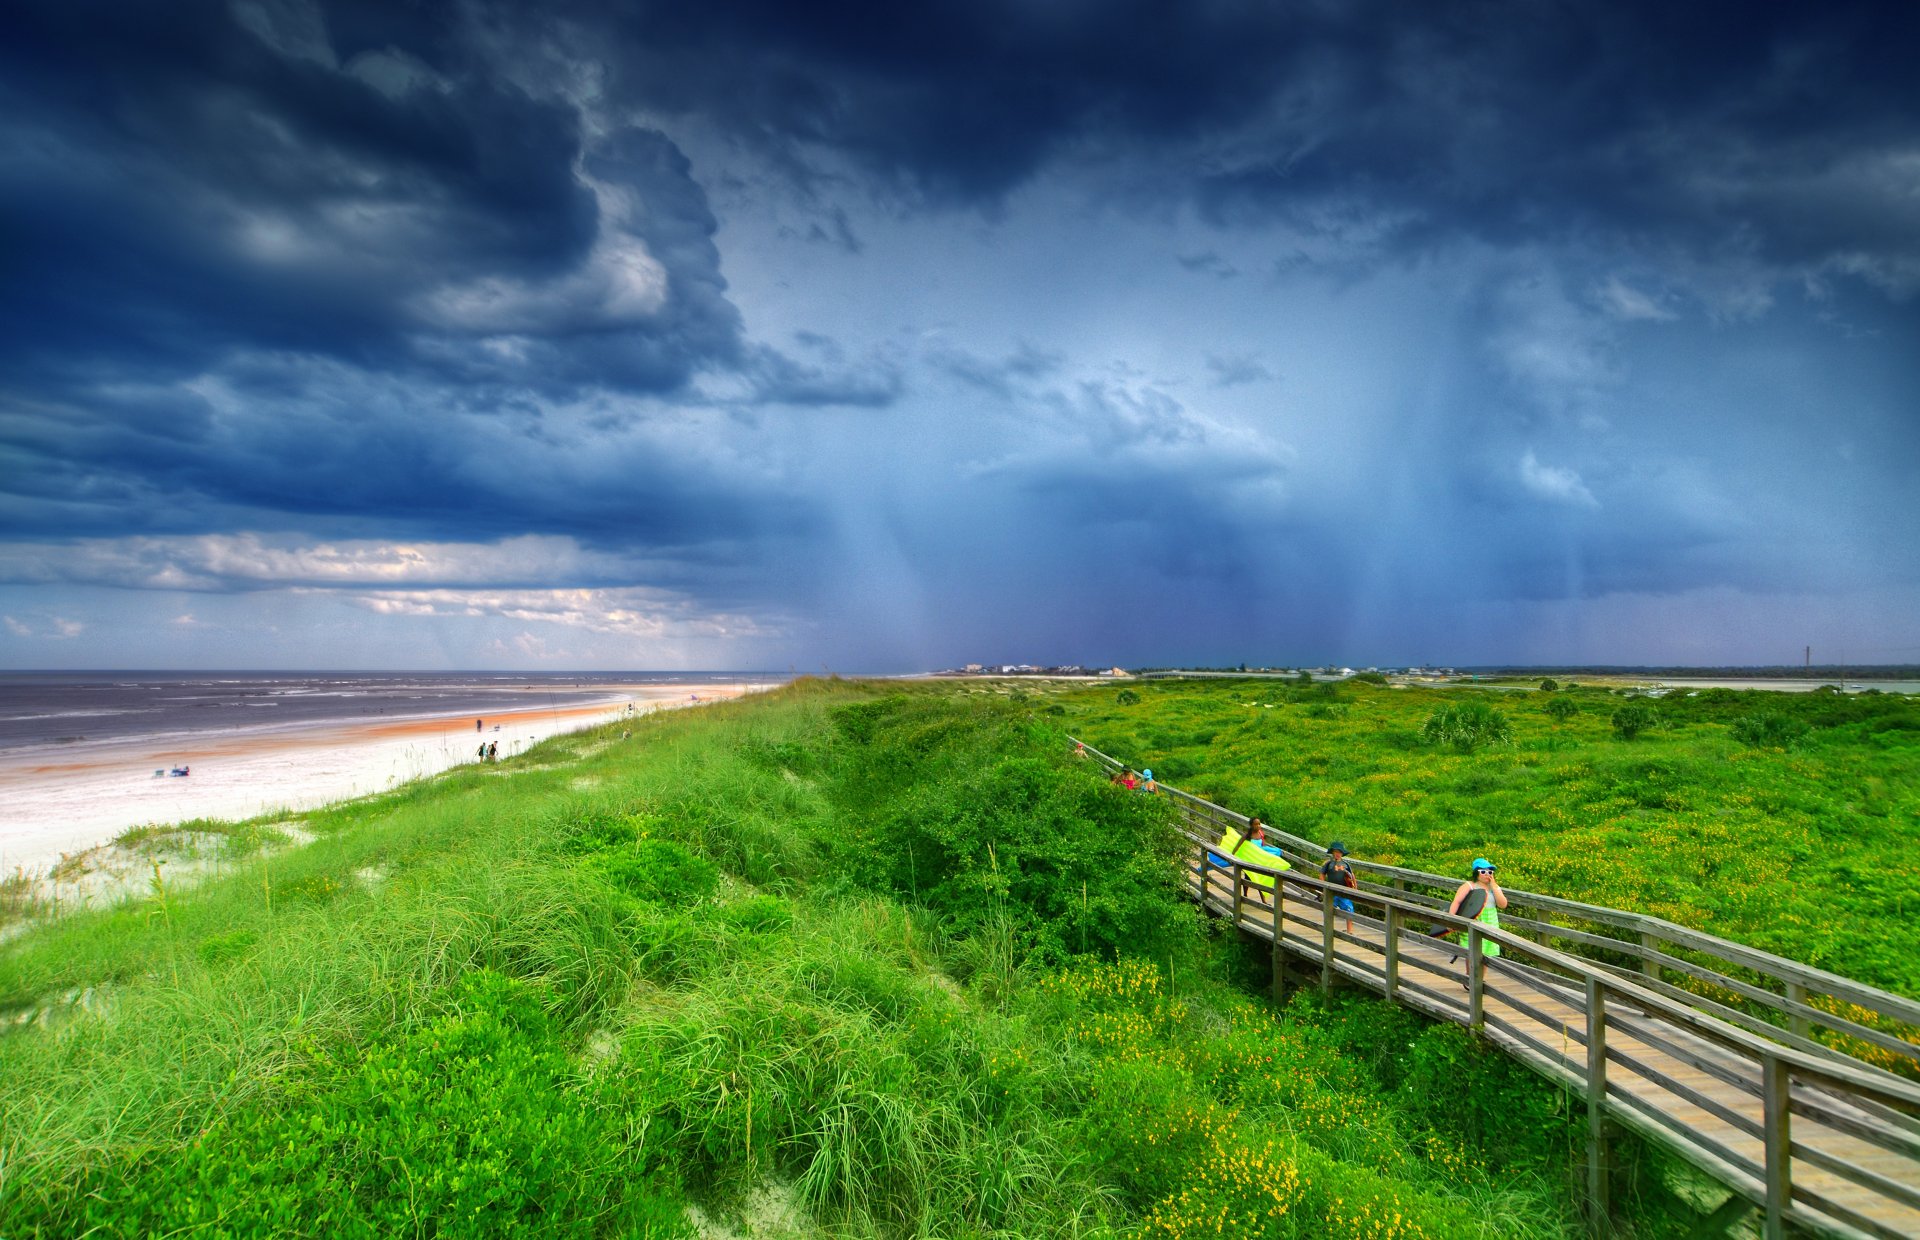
[{"x": 50, "y": 809}]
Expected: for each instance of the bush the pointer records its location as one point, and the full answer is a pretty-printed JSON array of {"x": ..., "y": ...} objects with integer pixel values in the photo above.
[
  {"x": 1126, "y": 697},
  {"x": 660, "y": 871},
  {"x": 1633, "y": 719},
  {"x": 1466, "y": 727},
  {"x": 1562, "y": 709},
  {"x": 1549, "y": 685},
  {"x": 1768, "y": 731}
]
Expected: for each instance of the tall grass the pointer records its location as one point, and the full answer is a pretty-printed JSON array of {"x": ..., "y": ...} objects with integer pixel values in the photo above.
[{"x": 466, "y": 975}]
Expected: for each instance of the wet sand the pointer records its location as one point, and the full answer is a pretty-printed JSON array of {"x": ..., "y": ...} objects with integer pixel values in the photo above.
[{"x": 52, "y": 808}]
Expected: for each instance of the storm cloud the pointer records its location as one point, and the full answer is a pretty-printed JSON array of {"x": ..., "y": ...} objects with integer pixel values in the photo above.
[{"x": 883, "y": 336}]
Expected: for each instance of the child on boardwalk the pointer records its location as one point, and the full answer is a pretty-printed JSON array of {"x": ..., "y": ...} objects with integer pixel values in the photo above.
[{"x": 1336, "y": 870}]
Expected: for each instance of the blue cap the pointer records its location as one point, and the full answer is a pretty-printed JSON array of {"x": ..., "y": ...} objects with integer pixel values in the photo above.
[
  {"x": 1147, "y": 774},
  {"x": 1481, "y": 863}
]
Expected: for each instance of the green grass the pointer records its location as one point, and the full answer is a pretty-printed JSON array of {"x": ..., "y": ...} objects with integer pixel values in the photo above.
[
  {"x": 887, "y": 956},
  {"x": 1806, "y": 851}
]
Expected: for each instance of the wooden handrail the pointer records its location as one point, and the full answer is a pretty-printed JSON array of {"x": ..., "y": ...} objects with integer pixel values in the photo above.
[
  {"x": 1837, "y": 1098},
  {"x": 1796, "y": 980}
]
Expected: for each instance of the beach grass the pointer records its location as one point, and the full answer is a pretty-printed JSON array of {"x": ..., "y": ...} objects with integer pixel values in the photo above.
[{"x": 868, "y": 961}]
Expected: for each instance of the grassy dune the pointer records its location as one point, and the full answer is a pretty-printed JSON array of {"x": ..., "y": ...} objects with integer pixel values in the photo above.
[{"x": 830, "y": 962}]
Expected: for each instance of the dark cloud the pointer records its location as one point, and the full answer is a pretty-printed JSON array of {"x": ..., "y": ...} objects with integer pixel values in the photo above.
[
  {"x": 182, "y": 185},
  {"x": 1776, "y": 135}
]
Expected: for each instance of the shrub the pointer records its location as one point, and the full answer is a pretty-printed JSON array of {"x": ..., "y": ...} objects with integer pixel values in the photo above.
[
  {"x": 1126, "y": 697},
  {"x": 1466, "y": 727},
  {"x": 658, "y": 870},
  {"x": 1549, "y": 685},
  {"x": 1632, "y": 719},
  {"x": 1768, "y": 731},
  {"x": 1562, "y": 709}
]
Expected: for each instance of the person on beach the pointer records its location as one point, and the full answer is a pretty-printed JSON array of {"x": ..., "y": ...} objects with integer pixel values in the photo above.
[
  {"x": 1255, "y": 849},
  {"x": 483, "y": 751},
  {"x": 476, "y": 724},
  {"x": 493, "y": 752},
  {"x": 1480, "y": 899},
  {"x": 1147, "y": 777},
  {"x": 1336, "y": 870},
  {"x": 1128, "y": 780}
]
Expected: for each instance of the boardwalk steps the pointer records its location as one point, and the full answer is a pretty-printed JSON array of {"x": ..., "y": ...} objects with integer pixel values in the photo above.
[{"x": 1806, "y": 1131}]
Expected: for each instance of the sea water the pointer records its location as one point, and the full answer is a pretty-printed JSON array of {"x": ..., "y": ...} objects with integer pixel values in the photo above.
[{"x": 82, "y": 710}]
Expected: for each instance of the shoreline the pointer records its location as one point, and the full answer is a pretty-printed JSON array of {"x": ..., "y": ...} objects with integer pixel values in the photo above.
[{"x": 51, "y": 808}]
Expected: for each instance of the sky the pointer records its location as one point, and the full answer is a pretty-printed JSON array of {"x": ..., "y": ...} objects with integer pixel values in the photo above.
[{"x": 878, "y": 338}]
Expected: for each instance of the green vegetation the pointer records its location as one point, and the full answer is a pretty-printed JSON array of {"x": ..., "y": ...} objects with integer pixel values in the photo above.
[
  {"x": 1632, "y": 719},
  {"x": 831, "y": 962},
  {"x": 1465, "y": 727},
  {"x": 1783, "y": 820}
]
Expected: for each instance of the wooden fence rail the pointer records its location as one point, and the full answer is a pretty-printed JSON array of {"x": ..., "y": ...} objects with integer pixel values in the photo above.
[{"x": 1801, "y": 1128}]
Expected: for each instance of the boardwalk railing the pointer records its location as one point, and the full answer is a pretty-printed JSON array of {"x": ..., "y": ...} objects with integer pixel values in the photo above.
[{"x": 1801, "y": 1129}]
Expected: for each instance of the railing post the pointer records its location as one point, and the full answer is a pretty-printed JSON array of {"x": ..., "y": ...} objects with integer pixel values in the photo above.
[
  {"x": 1393, "y": 952},
  {"x": 1203, "y": 878},
  {"x": 1599, "y": 1211},
  {"x": 1777, "y": 1126},
  {"x": 1797, "y": 1023},
  {"x": 1239, "y": 881},
  {"x": 1648, "y": 967},
  {"x": 1326, "y": 939},
  {"x": 1475, "y": 1003},
  {"x": 1279, "y": 951}
]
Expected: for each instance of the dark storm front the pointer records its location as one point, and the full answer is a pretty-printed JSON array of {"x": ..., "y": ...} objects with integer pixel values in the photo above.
[{"x": 55, "y": 708}]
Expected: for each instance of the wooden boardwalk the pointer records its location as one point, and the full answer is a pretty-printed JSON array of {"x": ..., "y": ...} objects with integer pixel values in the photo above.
[{"x": 1809, "y": 1135}]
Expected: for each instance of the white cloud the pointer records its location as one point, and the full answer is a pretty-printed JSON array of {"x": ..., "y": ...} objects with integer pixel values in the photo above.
[
  {"x": 58, "y": 628},
  {"x": 1623, "y": 301},
  {"x": 625, "y": 611},
  {"x": 249, "y": 561},
  {"x": 1554, "y": 482}
]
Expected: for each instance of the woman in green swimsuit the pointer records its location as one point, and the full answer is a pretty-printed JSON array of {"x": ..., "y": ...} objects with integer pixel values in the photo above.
[{"x": 1491, "y": 902}]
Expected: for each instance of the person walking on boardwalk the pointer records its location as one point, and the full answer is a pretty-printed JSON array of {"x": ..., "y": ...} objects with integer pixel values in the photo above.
[
  {"x": 1254, "y": 848},
  {"x": 1480, "y": 899},
  {"x": 1229, "y": 844},
  {"x": 1336, "y": 870}
]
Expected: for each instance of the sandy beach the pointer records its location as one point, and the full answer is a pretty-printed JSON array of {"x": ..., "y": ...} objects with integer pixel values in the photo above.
[{"x": 52, "y": 808}]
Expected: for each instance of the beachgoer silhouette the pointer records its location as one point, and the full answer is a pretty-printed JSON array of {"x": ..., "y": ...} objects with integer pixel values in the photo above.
[
  {"x": 493, "y": 752},
  {"x": 476, "y": 725}
]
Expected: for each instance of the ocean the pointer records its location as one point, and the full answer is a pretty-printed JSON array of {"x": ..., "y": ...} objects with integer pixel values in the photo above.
[{"x": 58, "y": 710}]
